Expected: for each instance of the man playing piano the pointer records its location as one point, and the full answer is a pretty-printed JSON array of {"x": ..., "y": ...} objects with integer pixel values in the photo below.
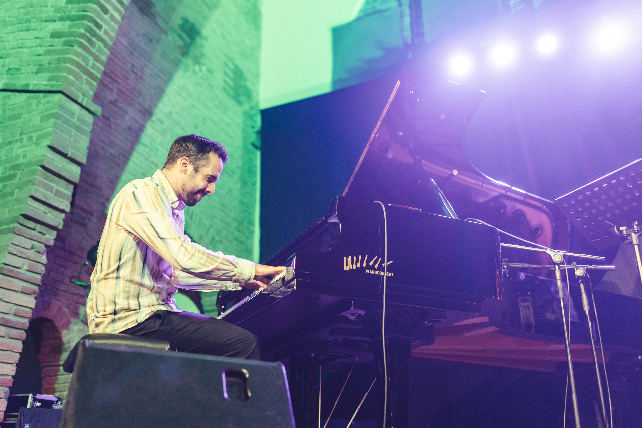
[{"x": 144, "y": 255}]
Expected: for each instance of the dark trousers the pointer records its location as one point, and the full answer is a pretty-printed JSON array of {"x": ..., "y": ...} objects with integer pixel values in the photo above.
[{"x": 199, "y": 334}]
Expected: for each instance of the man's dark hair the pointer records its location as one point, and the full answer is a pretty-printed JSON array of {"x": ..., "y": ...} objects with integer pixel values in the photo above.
[{"x": 196, "y": 149}]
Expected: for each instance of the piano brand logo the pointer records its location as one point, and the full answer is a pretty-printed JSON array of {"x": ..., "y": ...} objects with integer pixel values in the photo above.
[{"x": 374, "y": 266}]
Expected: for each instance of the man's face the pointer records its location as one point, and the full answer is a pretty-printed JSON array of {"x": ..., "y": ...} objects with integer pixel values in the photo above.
[{"x": 197, "y": 184}]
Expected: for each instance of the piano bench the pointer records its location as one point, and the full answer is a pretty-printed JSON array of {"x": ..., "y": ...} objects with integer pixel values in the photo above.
[{"x": 124, "y": 340}]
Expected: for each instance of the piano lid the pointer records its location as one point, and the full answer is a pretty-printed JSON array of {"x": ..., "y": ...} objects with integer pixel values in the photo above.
[
  {"x": 423, "y": 119},
  {"x": 417, "y": 140}
]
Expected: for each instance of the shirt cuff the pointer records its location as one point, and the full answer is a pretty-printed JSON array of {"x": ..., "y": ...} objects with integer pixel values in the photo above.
[{"x": 245, "y": 270}]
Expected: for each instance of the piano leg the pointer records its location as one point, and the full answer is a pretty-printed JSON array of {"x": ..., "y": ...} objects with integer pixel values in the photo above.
[
  {"x": 403, "y": 323},
  {"x": 304, "y": 370}
]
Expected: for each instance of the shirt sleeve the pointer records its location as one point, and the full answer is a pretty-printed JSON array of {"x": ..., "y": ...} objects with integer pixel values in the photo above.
[
  {"x": 183, "y": 279},
  {"x": 144, "y": 214}
]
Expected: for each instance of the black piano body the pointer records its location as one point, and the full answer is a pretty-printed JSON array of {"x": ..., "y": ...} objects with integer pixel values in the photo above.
[
  {"x": 364, "y": 266},
  {"x": 340, "y": 263}
]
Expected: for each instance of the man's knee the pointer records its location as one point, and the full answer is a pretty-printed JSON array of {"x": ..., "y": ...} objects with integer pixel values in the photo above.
[{"x": 251, "y": 347}]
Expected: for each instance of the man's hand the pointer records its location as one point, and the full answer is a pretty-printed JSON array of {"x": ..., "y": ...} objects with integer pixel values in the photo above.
[{"x": 262, "y": 276}]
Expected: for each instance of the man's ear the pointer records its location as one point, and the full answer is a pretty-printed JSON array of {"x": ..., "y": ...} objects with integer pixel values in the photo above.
[{"x": 183, "y": 164}]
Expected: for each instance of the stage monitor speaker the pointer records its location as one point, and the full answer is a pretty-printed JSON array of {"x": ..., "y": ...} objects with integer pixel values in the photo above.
[
  {"x": 36, "y": 417},
  {"x": 122, "y": 387}
]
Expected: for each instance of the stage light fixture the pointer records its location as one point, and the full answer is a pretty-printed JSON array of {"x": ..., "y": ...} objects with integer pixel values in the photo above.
[
  {"x": 611, "y": 36},
  {"x": 503, "y": 54},
  {"x": 547, "y": 44},
  {"x": 460, "y": 65}
]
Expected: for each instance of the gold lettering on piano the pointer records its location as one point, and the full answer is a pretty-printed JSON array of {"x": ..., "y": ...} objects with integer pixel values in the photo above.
[
  {"x": 355, "y": 262},
  {"x": 378, "y": 272},
  {"x": 347, "y": 263}
]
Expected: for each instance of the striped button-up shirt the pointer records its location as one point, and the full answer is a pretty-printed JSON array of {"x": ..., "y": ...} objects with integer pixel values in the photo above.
[{"x": 144, "y": 255}]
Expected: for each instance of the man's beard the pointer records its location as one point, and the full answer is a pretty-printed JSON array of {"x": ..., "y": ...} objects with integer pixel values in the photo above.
[{"x": 191, "y": 198}]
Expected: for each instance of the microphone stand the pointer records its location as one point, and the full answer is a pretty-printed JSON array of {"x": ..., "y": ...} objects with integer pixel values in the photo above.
[
  {"x": 580, "y": 273},
  {"x": 558, "y": 258}
]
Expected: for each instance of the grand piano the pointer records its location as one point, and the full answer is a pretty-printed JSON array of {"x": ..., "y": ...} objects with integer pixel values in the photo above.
[{"x": 412, "y": 239}]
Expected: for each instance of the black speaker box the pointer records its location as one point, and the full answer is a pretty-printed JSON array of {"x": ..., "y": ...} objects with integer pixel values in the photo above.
[
  {"x": 38, "y": 418},
  {"x": 122, "y": 387}
]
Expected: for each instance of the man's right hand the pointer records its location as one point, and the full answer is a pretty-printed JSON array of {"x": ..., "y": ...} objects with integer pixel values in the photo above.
[{"x": 262, "y": 276}]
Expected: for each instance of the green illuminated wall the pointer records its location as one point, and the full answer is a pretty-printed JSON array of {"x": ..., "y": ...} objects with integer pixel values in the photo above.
[{"x": 92, "y": 93}]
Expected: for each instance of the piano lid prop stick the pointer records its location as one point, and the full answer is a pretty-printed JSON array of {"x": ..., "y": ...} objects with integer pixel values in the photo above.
[{"x": 362, "y": 400}]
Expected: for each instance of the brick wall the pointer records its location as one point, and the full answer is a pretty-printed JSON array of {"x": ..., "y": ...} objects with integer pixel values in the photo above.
[
  {"x": 87, "y": 105},
  {"x": 51, "y": 58},
  {"x": 42, "y": 148},
  {"x": 57, "y": 45}
]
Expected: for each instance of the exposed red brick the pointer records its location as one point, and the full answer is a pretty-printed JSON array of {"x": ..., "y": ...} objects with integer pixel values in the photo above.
[
  {"x": 36, "y": 267},
  {"x": 51, "y": 371},
  {"x": 22, "y": 312},
  {"x": 22, "y": 242},
  {"x": 14, "y": 322},
  {"x": 19, "y": 274},
  {"x": 49, "y": 383},
  {"x": 18, "y": 298},
  {"x": 30, "y": 234},
  {"x": 10, "y": 345},
  {"x": 16, "y": 334},
  {"x": 5, "y": 308},
  {"x": 40, "y": 217},
  {"x": 26, "y": 254},
  {"x": 9, "y": 284},
  {"x": 7, "y": 369},
  {"x": 14, "y": 261},
  {"x": 45, "y": 186},
  {"x": 49, "y": 199},
  {"x": 29, "y": 289}
]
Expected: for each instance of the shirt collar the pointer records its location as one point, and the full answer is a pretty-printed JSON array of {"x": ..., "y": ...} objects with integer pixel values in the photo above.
[{"x": 162, "y": 181}]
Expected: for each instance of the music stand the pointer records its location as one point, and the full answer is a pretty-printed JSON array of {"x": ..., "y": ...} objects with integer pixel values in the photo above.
[{"x": 608, "y": 208}]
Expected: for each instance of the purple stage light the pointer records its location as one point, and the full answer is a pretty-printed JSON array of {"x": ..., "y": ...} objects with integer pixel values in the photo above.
[
  {"x": 503, "y": 54},
  {"x": 547, "y": 44},
  {"x": 611, "y": 36},
  {"x": 460, "y": 65}
]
